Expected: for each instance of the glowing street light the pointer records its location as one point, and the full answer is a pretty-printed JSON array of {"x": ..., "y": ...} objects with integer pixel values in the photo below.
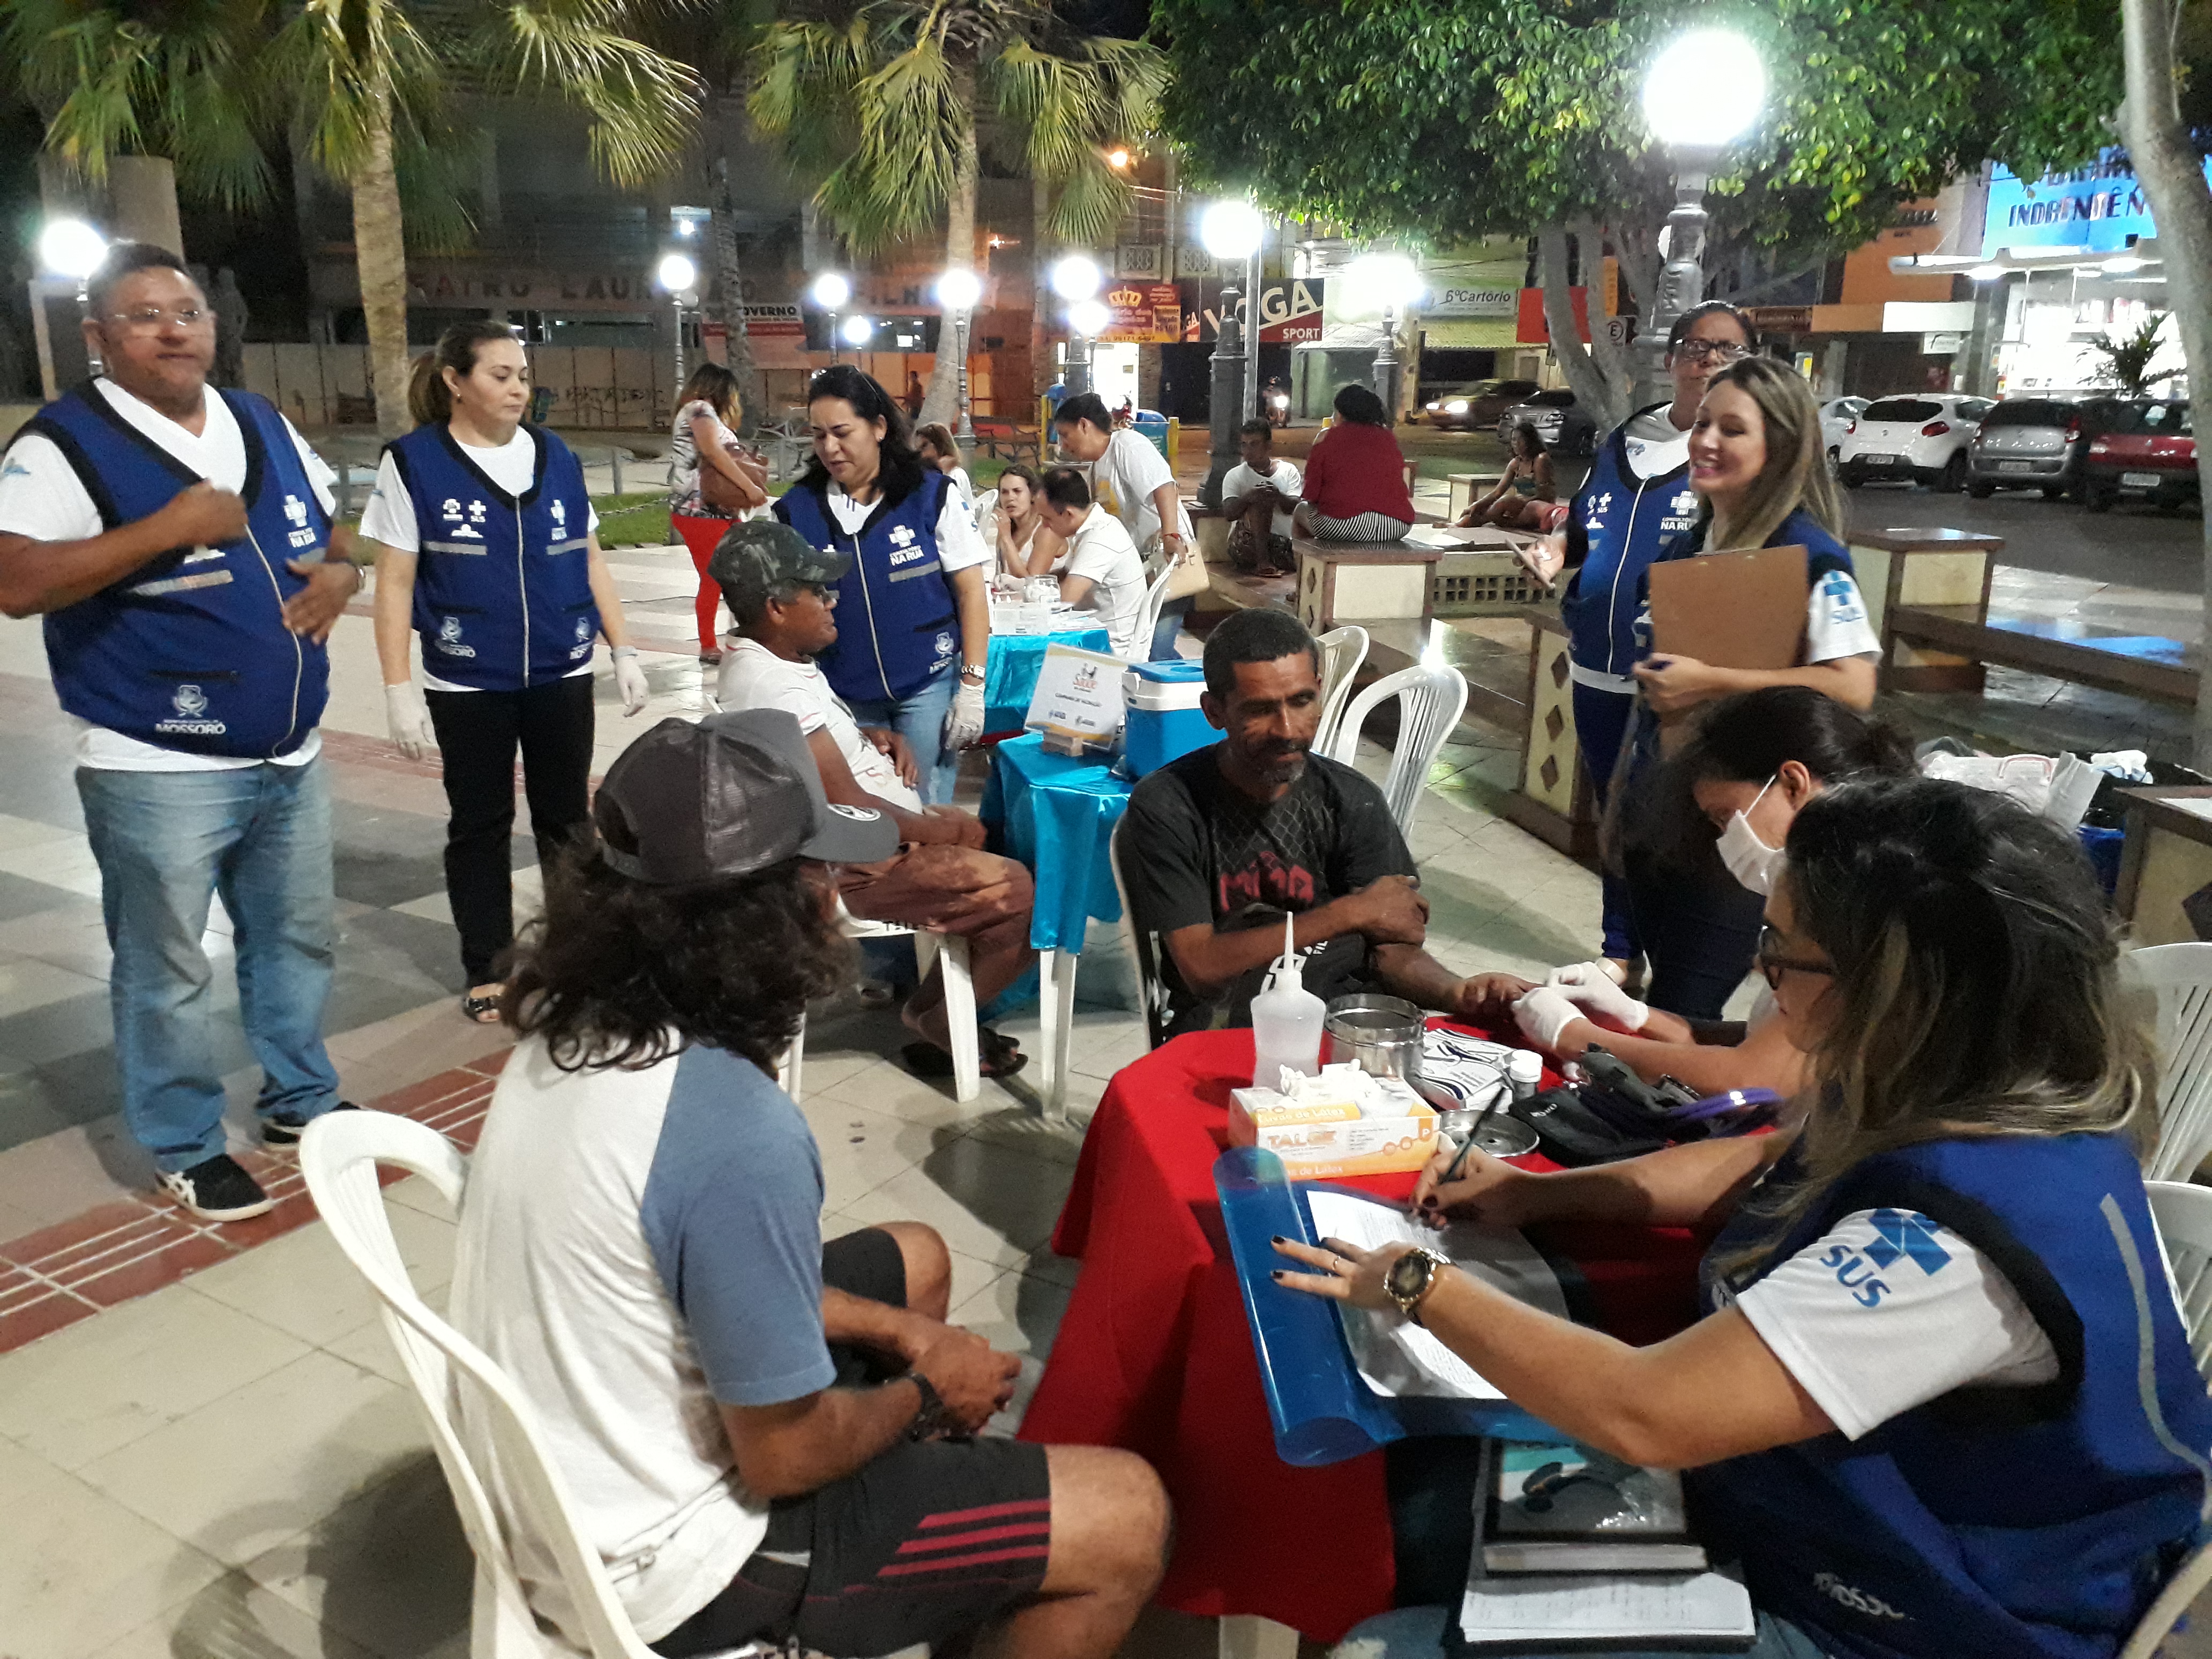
[
  {"x": 957, "y": 291},
  {"x": 678, "y": 273},
  {"x": 857, "y": 331},
  {"x": 70, "y": 247},
  {"x": 1117, "y": 158},
  {"x": 1393, "y": 282},
  {"x": 830, "y": 291},
  {"x": 1702, "y": 93},
  {"x": 1076, "y": 277},
  {"x": 1231, "y": 233},
  {"x": 1231, "y": 230}
]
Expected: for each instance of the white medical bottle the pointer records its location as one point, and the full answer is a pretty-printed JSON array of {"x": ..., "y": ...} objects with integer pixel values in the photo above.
[{"x": 1286, "y": 1019}]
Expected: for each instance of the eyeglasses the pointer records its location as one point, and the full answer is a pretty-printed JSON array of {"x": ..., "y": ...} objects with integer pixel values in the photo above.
[
  {"x": 147, "y": 319},
  {"x": 1710, "y": 351},
  {"x": 1772, "y": 964}
]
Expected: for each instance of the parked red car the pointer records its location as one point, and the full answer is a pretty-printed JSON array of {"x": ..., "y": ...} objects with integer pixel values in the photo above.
[{"x": 2149, "y": 451}]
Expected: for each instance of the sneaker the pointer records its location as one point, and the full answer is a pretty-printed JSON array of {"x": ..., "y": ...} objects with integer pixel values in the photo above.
[
  {"x": 285, "y": 1128},
  {"x": 711, "y": 657},
  {"x": 218, "y": 1189}
]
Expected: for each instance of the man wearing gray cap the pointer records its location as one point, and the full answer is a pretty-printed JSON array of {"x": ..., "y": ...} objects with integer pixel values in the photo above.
[
  {"x": 781, "y": 597},
  {"x": 766, "y": 1437}
]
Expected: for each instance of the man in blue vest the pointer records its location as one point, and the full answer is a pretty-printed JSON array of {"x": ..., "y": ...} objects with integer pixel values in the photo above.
[{"x": 178, "y": 542}]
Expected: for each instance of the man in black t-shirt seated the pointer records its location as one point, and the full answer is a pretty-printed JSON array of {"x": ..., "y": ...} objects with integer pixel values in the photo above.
[{"x": 1219, "y": 845}]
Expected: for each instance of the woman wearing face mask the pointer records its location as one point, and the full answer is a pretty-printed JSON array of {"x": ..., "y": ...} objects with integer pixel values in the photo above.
[
  {"x": 1940, "y": 1401},
  {"x": 1754, "y": 763},
  {"x": 1637, "y": 498},
  {"x": 487, "y": 547},
  {"x": 914, "y": 618},
  {"x": 1757, "y": 466}
]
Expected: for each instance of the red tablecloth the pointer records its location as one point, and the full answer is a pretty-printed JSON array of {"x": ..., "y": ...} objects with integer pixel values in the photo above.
[{"x": 1154, "y": 1353}]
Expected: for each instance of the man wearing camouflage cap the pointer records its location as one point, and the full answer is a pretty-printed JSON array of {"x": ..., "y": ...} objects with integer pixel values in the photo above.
[{"x": 779, "y": 589}]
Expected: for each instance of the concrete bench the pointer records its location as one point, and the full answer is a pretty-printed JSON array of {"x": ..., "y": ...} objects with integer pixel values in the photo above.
[{"x": 2135, "y": 665}]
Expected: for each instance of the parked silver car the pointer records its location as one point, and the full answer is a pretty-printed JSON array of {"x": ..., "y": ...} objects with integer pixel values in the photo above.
[
  {"x": 1563, "y": 425},
  {"x": 2037, "y": 441}
]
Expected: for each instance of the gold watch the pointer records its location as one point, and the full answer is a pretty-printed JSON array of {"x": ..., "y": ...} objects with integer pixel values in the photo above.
[{"x": 1411, "y": 1277}]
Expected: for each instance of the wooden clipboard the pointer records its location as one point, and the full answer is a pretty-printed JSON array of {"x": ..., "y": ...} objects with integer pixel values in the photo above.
[{"x": 1731, "y": 610}]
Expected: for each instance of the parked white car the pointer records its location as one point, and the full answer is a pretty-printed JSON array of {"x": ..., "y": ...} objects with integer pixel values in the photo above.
[
  {"x": 1920, "y": 436},
  {"x": 1835, "y": 418}
]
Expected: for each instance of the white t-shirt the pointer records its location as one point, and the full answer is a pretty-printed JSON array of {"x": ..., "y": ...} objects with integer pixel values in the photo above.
[
  {"x": 958, "y": 545},
  {"x": 1101, "y": 550},
  {"x": 1655, "y": 445},
  {"x": 754, "y": 676},
  {"x": 1836, "y": 623},
  {"x": 1241, "y": 481},
  {"x": 963, "y": 484},
  {"x": 1123, "y": 480},
  {"x": 42, "y": 497},
  {"x": 1889, "y": 1310},
  {"x": 389, "y": 518}
]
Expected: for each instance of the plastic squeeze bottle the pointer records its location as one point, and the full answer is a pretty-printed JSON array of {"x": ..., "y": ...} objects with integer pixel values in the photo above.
[{"x": 1286, "y": 1019}]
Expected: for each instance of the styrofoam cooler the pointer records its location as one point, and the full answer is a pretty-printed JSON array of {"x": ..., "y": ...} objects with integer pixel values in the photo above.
[{"x": 1165, "y": 721}]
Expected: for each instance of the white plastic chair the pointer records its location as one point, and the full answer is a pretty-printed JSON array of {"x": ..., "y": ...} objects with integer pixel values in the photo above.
[
  {"x": 2183, "y": 1214},
  {"x": 1433, "y": 700},
  {"x": 2181, "y": 976},
  {"x": 1342, "y": 651},
  {"x": 1145, "y": 947},
  {"x": 959, "y": 1003},
  {"x": 1148, "y": 618},
  {"x": 338, "y": 1158}
]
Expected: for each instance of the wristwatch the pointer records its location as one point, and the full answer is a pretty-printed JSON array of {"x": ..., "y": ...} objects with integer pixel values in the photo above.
[
  {"x": 934, "y": 1418},
  {"x": 1410, "y": 1277}
]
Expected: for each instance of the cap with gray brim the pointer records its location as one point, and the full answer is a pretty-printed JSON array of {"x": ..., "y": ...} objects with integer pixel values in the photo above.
[
  {"x": 728, "y": 796},
  {"x": 759, "y": 557}
]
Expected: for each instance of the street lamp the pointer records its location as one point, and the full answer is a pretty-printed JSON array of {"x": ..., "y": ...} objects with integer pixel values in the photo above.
[
  {"x": 857, "y": 331},
  {"x": 829, "y": 293},
  {"x": 1700, "y": 95},
  {"x": 1230, "y": 232},
  {"x": 1395, "y": 283},
  {"x": 957, "y": 291},
  {"x": 1078, "y": 278},
  {"x": 70, "y": 247},
  {"x": 679, "y": 277}
]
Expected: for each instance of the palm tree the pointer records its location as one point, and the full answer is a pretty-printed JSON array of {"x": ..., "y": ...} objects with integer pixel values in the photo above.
[
  {"x": 369, "y": 84},
  {"x": 880, "y": 102}
]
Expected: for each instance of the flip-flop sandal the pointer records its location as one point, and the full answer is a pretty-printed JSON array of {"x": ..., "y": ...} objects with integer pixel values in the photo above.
[
  {"x": 998, "y": 1055},
  {"x": 483, "y": 1010}
]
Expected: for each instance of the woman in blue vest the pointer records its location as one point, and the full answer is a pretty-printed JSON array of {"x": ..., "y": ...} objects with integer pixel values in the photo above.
[
  {"x": 1762, "y": 480},
  {"x": 1940, "y": 1402},
  {"x": 1637, "y": 498},
  {"x": 486, "y": 547},
  {"x": 914, "y": 613}
]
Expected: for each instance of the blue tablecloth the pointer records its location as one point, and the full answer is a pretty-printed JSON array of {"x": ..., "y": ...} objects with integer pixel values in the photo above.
[
  {"x": 1057, "y": 815},
  {"x": 1010, "y": 673}
]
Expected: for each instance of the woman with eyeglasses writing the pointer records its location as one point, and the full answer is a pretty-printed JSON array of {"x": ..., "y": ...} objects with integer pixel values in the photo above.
[
  {"x": 1636, "y": 496},
  {"x": 1940, "y": 1401}
]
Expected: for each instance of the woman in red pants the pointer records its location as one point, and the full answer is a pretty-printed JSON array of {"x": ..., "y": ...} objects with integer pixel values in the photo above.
[{"x": 712, "y": 480}]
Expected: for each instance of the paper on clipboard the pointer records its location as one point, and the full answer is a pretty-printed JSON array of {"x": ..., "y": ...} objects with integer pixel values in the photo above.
[
  {"x": 1731, "y": 610},
  {"x": 1078, "y": 695}
]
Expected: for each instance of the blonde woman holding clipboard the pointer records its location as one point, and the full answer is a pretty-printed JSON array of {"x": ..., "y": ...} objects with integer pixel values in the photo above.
[{"x": 1757, "y": 466}]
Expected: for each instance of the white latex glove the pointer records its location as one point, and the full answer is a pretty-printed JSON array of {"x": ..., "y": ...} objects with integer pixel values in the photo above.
[
  {"x": 1542, "y": 1014},
  {"x": 408, "y": 718},
  {"x": 1588, "y": 985},
  {"x": 964, "y": 724},
  {"x": 629, "y": 678}
]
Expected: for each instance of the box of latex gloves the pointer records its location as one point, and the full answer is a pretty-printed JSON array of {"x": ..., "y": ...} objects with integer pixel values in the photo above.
[{"x": 1344, "y": 1122}]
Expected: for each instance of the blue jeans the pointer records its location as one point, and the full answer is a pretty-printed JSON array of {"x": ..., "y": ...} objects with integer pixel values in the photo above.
[
  {"x": 1169, "y": 626},
  {"x": 1419, "y": 1633},
  {"x": 166, "y": 842},
  {"x": 920, "y": 718},
  {"x": 1601, "y": 721}
]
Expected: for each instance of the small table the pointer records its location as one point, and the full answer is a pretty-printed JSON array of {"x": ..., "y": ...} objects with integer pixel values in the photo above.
[
  {"x": 1057, "y": 815},
  {"x": 1155, "y": 1354},
  {"x": 1011, "y": 671}
]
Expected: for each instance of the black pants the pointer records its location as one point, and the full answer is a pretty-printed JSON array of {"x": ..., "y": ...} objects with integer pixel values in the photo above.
[
  {"x": 478, "y": 732},
  {"x": 1699, "y": 927}
]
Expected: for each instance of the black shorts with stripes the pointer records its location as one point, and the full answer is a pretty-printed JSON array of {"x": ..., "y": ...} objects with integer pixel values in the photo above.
[{"x": 921, "y": 1545}]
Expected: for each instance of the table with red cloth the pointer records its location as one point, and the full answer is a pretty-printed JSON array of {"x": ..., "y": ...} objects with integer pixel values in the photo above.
[{"x": 1154, "y": 1353}]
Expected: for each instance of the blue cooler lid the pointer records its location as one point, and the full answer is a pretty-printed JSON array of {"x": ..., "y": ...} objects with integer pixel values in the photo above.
[{"x": 1182, "y": 671}]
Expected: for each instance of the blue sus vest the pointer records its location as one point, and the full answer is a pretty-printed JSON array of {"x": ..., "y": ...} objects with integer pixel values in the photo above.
[
  {"x": 897, "y": 628},
  {"x": 502, "y": 583},
  {"x": 190, "y": 651},
  {"x": 1615, "y": 529},
  {"x": 2032, "y": 1523}
]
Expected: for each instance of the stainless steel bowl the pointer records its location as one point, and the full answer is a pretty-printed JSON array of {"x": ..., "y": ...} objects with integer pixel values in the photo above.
[{"x": 1384, "y": 1034}]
